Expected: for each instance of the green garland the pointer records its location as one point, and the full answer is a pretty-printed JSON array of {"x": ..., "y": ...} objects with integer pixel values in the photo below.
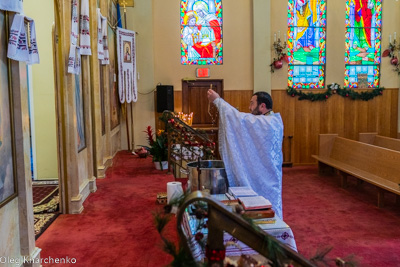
[{"x": 335, "y": 89}]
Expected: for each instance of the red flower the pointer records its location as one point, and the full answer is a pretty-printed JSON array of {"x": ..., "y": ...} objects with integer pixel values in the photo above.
[{"x": 149, "y": 132}]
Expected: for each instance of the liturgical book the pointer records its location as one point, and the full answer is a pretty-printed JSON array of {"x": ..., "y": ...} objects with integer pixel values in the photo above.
[
  {"x": 241, "y": 191},
  {"x": 258, "y": 214},
  {"x": 255, "y": 203}
]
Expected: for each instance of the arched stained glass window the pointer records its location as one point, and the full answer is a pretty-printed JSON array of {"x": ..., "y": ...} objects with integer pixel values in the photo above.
[
  {"x": 201, "y": 32},
  {"x": 363, "y": 43},
  {"x": 306, "y": 43}
]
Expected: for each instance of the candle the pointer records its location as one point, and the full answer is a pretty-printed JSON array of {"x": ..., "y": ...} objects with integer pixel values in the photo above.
[
  {"x": 284, "y": 36},
  {"x": 279, "y": 34},
  {"x": 394, "y": 37},
  {"x": 390, "y": 38},
  {"x": 274, "y": 37}
]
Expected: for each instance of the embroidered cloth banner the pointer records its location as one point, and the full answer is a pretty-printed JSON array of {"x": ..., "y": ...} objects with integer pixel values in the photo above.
[
  {"x": 126, "y": 50},
  {"x": 12, "y": 5}
]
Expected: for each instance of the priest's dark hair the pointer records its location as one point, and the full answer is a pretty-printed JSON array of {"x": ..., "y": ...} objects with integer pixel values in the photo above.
[{"x": 264, "y": 97}]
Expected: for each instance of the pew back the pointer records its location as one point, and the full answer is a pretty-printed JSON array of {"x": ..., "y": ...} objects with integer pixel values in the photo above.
[
  {"x": 379, "y": 140},
  {"x": 376, "y": 160}
]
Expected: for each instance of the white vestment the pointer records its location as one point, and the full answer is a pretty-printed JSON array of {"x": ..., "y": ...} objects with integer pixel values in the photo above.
[{"x": 251, "y": 148}]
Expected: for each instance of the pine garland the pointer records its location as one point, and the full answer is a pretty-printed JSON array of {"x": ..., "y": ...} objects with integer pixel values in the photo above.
[{"x": 334, "y": 88}]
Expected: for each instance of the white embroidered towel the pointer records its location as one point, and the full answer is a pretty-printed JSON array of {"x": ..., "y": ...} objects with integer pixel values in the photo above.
[
  {"x": 73, "y": 61},
  {"x": 100, "y": 48},
  {"x": 104, "y": 28},
  {"x": 33, "y": 49},
  {"x": 18, "y": 46},
  {"x": 85, "y": 29}
]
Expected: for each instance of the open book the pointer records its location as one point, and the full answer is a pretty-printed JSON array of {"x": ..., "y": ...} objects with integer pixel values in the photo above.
[
  {"x": 255, "y": 203},
  {"x": 241, "y": 191}
]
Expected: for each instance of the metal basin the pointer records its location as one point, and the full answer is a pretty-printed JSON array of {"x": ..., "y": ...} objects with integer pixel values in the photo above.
[{"x": 211, "y": 176}]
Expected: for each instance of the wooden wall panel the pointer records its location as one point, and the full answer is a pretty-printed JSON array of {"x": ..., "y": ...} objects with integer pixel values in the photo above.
[
  {"x": 178, "y": 101},
  {"x": 305, "y": 120},
  {"x": 343, "y": 116},
  {"x": 307, "y": 124},
  {"x": 239, "y": 99},
  {"x": 287, "y": 106}
]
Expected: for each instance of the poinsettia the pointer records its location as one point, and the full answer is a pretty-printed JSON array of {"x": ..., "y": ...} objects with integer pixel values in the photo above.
[{"x": 149, "y": 132}]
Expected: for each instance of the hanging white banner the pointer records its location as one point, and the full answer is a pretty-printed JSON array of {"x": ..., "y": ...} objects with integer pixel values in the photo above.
[{"x": 126, "y": 51}]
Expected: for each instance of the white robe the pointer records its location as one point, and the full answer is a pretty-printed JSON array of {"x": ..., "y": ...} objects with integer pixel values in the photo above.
[{"x": 251, "y": 148}]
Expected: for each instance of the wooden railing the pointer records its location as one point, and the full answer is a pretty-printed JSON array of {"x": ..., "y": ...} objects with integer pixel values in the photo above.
[{"x": 220, "y": 219}]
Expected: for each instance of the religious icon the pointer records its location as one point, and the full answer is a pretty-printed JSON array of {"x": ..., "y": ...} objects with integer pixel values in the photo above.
[
  {"x": 127, "y": 52},
  {"x": 201, "y": 32},
  {"x": 8, "y": 189}
]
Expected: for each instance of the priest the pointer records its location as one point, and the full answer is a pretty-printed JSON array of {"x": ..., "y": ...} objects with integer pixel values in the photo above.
[{"x": 250, "y": 145}]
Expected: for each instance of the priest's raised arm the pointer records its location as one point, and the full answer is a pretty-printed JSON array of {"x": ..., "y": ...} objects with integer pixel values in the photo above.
[{"x": 250, "y": 144}]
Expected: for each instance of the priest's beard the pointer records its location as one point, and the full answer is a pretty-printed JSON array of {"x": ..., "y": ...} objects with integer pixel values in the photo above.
[{"x": 256, "y": 111}]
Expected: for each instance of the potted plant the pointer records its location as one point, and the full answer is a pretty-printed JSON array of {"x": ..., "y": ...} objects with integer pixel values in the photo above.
[{"x": 158, "y": 147}]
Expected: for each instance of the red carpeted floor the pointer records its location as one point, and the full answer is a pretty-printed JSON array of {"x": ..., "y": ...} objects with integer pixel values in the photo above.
[
  {"x": 116, "y": 227},
  {"x": 323, "y": 214}
]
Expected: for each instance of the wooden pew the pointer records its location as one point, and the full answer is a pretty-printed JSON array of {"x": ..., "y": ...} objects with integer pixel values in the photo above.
[
  {"x": 379, "y": 140},
  {"x": 376, "y": 165}
]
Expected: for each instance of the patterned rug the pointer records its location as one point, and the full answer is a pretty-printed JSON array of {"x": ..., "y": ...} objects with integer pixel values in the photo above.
[
  {"x": 46, "y": 201},
  {"x": 41, "y": 193},
  {"x": 42, "y": 221}
]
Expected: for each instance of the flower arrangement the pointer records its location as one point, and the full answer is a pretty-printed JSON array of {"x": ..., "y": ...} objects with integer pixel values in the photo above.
[
  {"x": 391, "y": 52},
  {"x": 158, "y": 145},
  {"x": 281, "y": 56}
]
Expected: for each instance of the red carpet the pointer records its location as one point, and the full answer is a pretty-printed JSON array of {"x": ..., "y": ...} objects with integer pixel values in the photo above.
[
  {"x": 322, "y": 214},
  {"x": 116, "y": 227}
]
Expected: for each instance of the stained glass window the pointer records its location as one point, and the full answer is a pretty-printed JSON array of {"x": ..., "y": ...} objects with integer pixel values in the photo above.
[
  {"x": 363, "y": 43},
  {"x": 201, "y": 32},
  {"x": 306, "y": 43}
]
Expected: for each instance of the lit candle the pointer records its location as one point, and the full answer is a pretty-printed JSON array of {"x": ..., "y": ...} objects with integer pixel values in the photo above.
[
  {"x": 274, "y": 37},
  {"x": 390, "y": 38}
]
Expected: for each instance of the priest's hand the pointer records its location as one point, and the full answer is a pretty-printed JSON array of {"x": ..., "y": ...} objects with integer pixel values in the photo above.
[{"x": 212, "y": 95}]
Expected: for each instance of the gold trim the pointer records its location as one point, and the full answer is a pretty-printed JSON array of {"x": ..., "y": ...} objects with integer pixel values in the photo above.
[
  {"x": 61, "y": 109},
  {"x": 127, "y": 3},
  {"x": 56, "y": 86},
  {"x": 93, "y": 116}
]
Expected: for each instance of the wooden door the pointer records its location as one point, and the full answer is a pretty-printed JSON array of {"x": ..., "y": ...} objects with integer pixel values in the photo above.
[{"x": 194, "y": 99}]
